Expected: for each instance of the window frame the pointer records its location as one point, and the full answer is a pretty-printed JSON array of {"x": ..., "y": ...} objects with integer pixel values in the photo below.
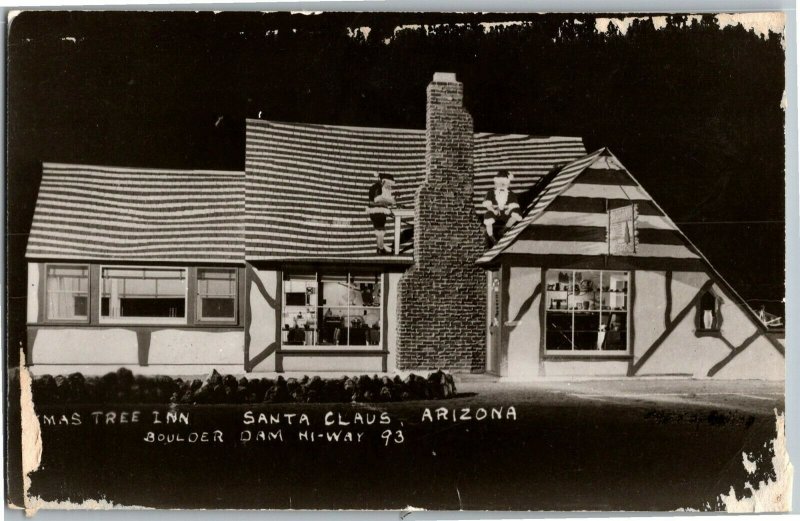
[
  {"x": 716, "y": 328},
  {"x": 184, "y": 320},
  {"x": 46, "y": 302},
  {"x": 198, "y": 317},
  {"x": 594, "y": 353},
  {"x": 318, "y": 276}
]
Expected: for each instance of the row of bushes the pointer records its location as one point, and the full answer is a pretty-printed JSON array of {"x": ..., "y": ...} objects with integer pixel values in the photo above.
[{"x": 123, "y": 387}]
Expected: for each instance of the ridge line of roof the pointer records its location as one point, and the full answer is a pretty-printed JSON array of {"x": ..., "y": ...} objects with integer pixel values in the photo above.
[
  {"x": 410, "y": 130},
  {"x": 46, "y": 164}
]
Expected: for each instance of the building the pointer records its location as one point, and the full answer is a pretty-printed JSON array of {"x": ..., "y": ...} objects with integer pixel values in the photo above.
[{"x": 274, "y": 269}]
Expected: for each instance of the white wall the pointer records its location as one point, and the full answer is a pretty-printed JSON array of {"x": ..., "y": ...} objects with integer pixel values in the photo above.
[
  {"x": 390, "y": 328},
  {"x": 321, "y": 364},
  {"x": 683, "y": 352},
  {"x": 261, "y": 315},
  {"x": 113, "y": 346},
  {"x": 171, "y": 346},
  {"x": 33, "y": 292}
]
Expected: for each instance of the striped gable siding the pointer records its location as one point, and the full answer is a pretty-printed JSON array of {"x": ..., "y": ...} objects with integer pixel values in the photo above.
[
  {"x": 136, "y": 214},
  {"x": 306, "y": 189},
  {"x": 571, "y": 216}
]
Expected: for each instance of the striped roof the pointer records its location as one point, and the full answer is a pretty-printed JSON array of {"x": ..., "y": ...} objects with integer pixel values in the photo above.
[
  {"x": 570, "y": 215},
  {"x": 307, "y": 184},
  {"x": 138, "y": 214}
]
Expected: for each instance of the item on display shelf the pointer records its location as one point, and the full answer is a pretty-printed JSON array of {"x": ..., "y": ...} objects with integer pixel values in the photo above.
[{"x": 601, "y": 336}]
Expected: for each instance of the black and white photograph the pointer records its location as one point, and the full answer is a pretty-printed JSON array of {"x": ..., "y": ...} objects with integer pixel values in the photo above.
[{"x": 396, "y": 261}]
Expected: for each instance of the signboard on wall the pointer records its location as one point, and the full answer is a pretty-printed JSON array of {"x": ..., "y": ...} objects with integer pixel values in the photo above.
[{"x": 622, "y": 235}]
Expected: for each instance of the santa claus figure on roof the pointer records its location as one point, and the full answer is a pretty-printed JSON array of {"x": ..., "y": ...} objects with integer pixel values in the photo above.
[
  {"x": 381, "y": 202},
  {"x": 502, "y": 207}
]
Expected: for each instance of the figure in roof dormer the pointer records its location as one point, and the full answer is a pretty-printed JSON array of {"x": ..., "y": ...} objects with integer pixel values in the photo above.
[
  {"x": 381, "y": 201},
  {"x": 502, "y": 207}
]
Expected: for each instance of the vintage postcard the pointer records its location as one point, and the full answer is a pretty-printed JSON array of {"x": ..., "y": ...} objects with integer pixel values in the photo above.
[{"x": 396, "y": 261}]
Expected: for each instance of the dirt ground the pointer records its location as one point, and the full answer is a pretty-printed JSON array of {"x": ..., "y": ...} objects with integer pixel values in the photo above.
[{"x": 749, "y": 395}]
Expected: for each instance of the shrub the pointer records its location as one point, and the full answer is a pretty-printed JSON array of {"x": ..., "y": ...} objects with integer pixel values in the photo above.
[{"x": 122, "y": 386}]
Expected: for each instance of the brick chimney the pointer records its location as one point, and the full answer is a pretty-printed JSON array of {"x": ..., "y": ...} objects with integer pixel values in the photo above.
[{"x": 442, "y": 298}]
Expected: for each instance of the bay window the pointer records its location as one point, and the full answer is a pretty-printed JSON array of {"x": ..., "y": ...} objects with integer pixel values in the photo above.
[
  {"x": 67, "y": 292},
  {"x": 586, "y": 310},
  {"x": 331, "y": 309}
]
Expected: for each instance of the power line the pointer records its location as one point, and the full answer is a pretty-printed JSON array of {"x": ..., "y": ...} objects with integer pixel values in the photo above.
[{"x": 730, "y": 222}]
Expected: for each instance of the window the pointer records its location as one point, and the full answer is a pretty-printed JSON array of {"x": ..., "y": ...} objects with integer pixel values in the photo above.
[
  {"x": 216, "y": 294},
  {"x": 143, "y": 294},
  {"x": 67, "y": 292},
  {"x": 332, "y": 309},
  {"x": 587, "y": 310},
  {"x": 708, "y": 318}
]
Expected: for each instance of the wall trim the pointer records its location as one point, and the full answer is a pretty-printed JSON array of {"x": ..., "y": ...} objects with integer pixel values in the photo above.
[
  {"x": 594, "y": 358},
  {"x": 334, "y": 352}
]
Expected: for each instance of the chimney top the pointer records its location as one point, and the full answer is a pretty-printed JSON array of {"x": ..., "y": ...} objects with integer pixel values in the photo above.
[{"x": 444, "y": 77}]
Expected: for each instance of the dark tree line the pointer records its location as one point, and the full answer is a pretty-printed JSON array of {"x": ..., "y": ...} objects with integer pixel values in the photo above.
[{"x": 692, "y": 110}]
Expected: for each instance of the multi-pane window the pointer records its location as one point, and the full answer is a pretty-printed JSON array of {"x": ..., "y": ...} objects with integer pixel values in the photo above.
[
  {"x": 216, "y": 294},
  {"x": 331, "y": 309},
  {"x": 67, "y": 292},
  {"x": 586, "y": 310},
  {"x": 157, "y": 294}
]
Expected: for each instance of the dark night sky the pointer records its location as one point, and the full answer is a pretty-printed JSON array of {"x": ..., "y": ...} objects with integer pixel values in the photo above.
[{"x": 692, "y": 110}]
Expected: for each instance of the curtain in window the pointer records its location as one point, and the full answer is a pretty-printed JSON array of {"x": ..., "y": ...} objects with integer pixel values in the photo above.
[{"x": 67, "y": 292}]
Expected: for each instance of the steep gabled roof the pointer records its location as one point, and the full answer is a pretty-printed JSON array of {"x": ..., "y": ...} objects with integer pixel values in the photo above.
[
  {"x": 138, "y": 214},
  {"x": 307, "y": 184},
  {"x": 546, "y": 195},
  {"x": 569, "y": 216}
]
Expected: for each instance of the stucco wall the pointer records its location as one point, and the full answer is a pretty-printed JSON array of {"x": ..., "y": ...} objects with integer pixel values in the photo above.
[
  {"x": 33, "y": 292},
  {"x": 321, "y": 364},
  {"x": 261, "y": 318},
  {"x": 390, "y": 327},
  {"x": 170, "y": 346},
  {"x": 565, "y": 367},
  {"x": 664, "y": 335},
  {"x": 129, "y": 347},
  {"x": 113, "y": 346},
  {"x": 739, "y": 351}
]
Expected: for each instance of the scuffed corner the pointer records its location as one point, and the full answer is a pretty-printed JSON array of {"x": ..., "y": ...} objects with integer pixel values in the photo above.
[
  {"x": 770, "y": 495},
  {"x": 13, "y": 14},
  {"x": 31, "y": 433},
  {"x": 408, "y": 510}
]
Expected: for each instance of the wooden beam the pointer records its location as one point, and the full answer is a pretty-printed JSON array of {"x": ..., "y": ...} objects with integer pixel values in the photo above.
[
  {"x": 668, "y": 296},
  {"x": 670, "y": 328},
  {"x": 733, "y": 354}
]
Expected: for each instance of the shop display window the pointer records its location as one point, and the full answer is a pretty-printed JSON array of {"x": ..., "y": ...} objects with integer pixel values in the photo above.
[
  {"x": 331, "y": 309},
  {"x": 586, "y": 310}
]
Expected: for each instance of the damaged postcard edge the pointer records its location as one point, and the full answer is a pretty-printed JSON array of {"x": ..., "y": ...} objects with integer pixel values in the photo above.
[
  {"x": 32, "y": 454},
  {"x": 769, "y": 495}
]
